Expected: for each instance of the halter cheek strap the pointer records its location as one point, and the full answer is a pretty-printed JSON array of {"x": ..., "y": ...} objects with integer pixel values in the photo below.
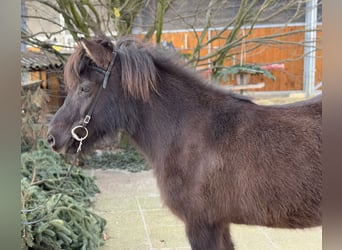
[{"x": 80, "y": 132}]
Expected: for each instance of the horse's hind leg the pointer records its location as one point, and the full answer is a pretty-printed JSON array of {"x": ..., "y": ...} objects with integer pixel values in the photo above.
[
  {"x": 227, "y": 240},
  {"x": 204, "y": 236}
]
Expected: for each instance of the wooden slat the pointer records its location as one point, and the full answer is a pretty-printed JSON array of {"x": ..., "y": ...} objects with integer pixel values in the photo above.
[
  {"x": 291, "y": 78},
  {"x": 245, "y": 86}
]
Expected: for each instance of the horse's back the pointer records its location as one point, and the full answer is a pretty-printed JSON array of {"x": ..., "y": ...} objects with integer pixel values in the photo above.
[
  {"x": 314, "y": 104},
  {"x": 309, "y": 110}
]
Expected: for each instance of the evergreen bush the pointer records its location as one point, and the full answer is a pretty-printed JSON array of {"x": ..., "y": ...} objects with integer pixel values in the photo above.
[
  {"x": 124, "y": 157},
  {"x": 62, "y": 222}
]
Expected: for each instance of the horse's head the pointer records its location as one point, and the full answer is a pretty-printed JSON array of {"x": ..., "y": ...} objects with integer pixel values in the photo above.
[{"x": 102, "y": 82}]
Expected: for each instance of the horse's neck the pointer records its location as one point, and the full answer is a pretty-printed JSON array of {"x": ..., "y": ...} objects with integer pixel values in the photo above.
[
  {"x": 159, "y": 120},
  {"x": 156, "y": 129},
  {"x": 176, "y": 102}
]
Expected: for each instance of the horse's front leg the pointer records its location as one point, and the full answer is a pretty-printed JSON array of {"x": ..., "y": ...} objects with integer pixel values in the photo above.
[
  {"x": 227, "y": 240},
  {"x": 205, "y": 236}
]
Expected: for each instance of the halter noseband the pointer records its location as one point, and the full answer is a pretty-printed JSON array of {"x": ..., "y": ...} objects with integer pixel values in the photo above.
[{"x": 80, "y": 132}]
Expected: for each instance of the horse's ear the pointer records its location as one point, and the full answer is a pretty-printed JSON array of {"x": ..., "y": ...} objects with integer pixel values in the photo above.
[{"x": 99, "y": 54}]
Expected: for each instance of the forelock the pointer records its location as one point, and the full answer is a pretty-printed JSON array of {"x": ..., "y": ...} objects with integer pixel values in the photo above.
[{"x": 74, "y": 66}]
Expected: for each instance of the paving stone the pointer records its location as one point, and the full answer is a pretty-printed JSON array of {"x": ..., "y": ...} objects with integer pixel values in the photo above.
[{"x": 137, "y": 219}]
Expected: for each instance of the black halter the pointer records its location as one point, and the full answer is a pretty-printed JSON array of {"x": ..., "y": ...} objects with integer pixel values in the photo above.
[{"x": 80, "y": 132}]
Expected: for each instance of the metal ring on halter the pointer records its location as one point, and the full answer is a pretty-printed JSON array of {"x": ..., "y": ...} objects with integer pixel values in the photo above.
[{"x": 75, "y": 136}]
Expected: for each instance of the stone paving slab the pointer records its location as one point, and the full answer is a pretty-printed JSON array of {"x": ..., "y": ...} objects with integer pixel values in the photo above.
[{"x": 137, "y": 220}]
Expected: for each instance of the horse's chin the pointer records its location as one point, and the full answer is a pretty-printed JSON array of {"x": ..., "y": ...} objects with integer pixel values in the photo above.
[
  {"x": 85, "y": 148},
  {"x": 64, "y": 149},
  {"x": 71, "y": 146}
]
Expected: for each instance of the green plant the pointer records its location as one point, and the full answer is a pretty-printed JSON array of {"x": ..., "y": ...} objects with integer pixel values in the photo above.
[
  {"x": 125, "y": 157},
  {"x": 252, "y": 69},
  {"x": 55, "y": 221}
]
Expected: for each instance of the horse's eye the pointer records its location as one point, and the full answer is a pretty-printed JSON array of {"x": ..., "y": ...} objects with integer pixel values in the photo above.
[{"x": 84, "y": 89}]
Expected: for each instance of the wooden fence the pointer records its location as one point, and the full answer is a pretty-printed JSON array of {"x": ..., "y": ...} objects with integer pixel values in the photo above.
[{"x": 287, "y": 50}]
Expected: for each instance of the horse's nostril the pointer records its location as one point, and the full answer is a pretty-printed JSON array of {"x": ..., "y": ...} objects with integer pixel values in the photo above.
[{"x": 51, "y": 140}]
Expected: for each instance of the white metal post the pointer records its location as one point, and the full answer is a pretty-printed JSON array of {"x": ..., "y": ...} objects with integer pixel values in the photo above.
[{"x": 310, "y": 47}]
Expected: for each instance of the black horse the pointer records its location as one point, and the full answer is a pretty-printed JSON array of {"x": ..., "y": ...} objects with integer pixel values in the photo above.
[{"x": 218, "y": 158}]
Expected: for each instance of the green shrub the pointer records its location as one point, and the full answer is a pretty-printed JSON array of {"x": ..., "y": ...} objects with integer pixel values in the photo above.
[{"x": 125, "y": 157}]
